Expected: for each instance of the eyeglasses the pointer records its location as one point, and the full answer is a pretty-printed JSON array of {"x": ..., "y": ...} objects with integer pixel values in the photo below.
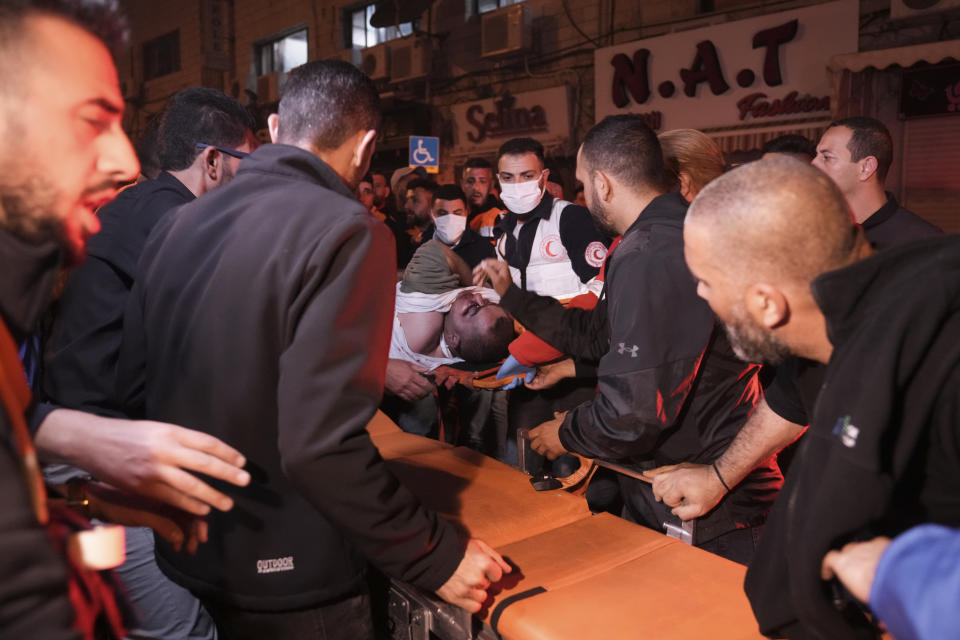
[{"x": 230, "y": 152}]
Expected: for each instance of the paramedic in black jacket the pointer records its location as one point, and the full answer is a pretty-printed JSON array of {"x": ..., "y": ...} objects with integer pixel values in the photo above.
[
  {"x": 779, "y": 260},
  {"x": 669, "y": 389},
  {"x": 262, "y": 313}
]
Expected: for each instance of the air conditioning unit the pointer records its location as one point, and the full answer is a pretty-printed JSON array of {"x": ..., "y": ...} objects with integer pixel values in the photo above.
[
  {"x": 268, "y": 88},
  {"x": 375, "y": 62},
  {"x": 910, "y": 8},
  {"x": 506, "y": 30},
  {"x": 409, "y": 58}
]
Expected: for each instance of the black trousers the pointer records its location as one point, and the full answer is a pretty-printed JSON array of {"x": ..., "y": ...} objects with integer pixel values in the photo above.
[{"x": 349, "y": 619}]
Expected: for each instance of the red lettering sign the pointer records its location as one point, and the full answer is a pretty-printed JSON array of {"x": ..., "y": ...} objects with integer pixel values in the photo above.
[
  {"x": 507, "y": 120},
  {"x": 632, "y": 76},
  {"x": 757, "y": 106}
]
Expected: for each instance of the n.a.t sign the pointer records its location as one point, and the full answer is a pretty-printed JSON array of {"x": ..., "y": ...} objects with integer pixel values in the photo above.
[{"x": 757, "y": 71}]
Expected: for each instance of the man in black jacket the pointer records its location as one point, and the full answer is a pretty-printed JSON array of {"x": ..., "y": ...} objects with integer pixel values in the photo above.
[
  {"x": 201, "y": 138},
  {"x": 778, "y": 259},
  {"x": 856, "y": 153},
  {"x": 261, "y": 313},
  {"x": 669, "y": 387}
]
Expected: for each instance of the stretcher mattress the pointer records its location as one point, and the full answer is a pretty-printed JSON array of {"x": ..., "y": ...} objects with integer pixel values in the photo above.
[{"x": 576, "y": 575}]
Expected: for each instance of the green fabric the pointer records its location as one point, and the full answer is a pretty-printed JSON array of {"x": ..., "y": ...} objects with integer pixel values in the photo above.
[{"x": 428, "y": 271}]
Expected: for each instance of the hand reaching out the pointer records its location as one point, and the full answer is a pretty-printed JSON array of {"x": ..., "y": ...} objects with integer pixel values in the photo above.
[
  {"x": 467, "y": 587},
  {"x": 497, "y": 271}
]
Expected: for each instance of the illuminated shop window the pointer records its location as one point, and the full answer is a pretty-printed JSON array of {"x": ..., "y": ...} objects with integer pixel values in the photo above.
[
  {"x": 363, "y": 35},
  {"x": 282, "y": 54}
]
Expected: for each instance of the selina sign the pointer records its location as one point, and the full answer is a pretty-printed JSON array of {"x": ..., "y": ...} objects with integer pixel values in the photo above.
[
  {"x": 756, "y": 71},
  {"x": 484, "y": 125}
]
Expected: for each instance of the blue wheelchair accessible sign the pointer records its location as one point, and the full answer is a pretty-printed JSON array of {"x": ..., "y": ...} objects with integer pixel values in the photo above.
[{"x": 425, "y": 152}]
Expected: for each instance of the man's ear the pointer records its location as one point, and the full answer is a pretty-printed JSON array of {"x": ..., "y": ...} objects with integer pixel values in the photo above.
[
  {"x": 602, "y": 185},
  {"x": 363, "y": 152},
  {"x": 767, "y": 305},
  {"x": 273, "y": 126},
  {"x": 212, "y": 163},
  {"x": 868, "y": 167},
  {"x": 453, "y": 341}
]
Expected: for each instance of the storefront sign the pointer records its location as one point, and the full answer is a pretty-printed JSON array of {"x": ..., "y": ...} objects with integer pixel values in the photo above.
[
  {"x": 931, "y": 91},
  {"x": 760, "y": 70},
  {"x": 482, "y": 126}
]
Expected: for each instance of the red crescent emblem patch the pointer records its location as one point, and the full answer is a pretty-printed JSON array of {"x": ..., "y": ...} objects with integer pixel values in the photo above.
[
  {"x": 552, "y": 248},
  {"x": 595, "y": 254}
]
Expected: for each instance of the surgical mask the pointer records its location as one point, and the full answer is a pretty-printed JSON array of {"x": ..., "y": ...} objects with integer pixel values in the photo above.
[
  {"x": 521, "y": 197},
  {"x": 449, "y": 228}
]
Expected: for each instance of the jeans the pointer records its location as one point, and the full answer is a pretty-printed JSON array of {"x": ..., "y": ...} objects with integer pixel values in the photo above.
[
  {"x": 165, "y": 610},
  {"x": 349, "y": 619}
]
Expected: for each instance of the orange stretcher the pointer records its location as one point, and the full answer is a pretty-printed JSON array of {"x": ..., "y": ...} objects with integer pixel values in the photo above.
[{"x": 576, "y": 575}]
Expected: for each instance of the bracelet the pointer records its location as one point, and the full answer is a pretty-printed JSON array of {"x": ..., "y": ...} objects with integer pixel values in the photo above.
[
  {"x": 717, "y": 471},
  {"x": 77, "y": 497}
]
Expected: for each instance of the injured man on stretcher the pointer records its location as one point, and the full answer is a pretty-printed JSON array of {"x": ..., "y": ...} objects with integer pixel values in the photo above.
[{"x": 438, "y": 321}]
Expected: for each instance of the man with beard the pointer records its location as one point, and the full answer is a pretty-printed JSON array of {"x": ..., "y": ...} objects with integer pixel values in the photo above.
[
  {"x": 856, "y": 153},
  {"x": 272, "y": 331},
  {"x": 201, "y": 138},
  {"x": 477, "y": 184},
  {"x": 61, "y": 108},
  {"x": 778, "y": 258},
  {"x": 669, "y": 387}
]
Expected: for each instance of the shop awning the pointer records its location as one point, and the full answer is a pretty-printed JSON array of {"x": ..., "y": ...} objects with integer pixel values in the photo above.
[
  {"x": 932, "y": 52},
  {"x": 752, "y": 139}
]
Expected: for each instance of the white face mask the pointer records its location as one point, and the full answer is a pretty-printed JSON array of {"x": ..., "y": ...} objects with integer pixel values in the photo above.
[
  {"x": 449, "y": 228},
  {"x": 521, "y": 197}
]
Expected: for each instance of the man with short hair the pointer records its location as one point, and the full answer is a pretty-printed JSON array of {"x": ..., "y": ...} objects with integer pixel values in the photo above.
[
  {"x": 61, "y": 102},
  {"x": 366, "y": 196},
  {"x": 780, "y": 262},
  {"x": 418, "y": 206},
  {"x": 381, "y": 193},
  {"x": 201, "y": 138},
  {"x": 552, "y": 246},
  {"x": 856, "y": 153},
  {"x": 477, "y": 182},
  {"x": 669, "y": 386},
  {"x": 449, "y": 216},
  {"x": 272, "y": 331},
  {"x": 440, "y": 320}
]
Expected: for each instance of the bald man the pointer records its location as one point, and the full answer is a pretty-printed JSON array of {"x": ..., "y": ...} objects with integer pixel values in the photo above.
[{"x": 780, "y": 261}]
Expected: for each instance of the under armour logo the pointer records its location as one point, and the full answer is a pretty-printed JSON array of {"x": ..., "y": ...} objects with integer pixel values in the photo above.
[{"x": 631, "y": 350}]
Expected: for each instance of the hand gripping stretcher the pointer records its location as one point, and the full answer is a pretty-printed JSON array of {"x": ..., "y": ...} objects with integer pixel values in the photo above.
[{"x": 576, "y": 575}]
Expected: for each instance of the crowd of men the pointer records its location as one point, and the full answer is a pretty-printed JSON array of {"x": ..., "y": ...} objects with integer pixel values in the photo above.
[{"x": 230, "y": 321}]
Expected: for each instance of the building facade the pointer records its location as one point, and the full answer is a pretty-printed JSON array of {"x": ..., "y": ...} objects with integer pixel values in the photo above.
[{"x": 477, "y": 72}]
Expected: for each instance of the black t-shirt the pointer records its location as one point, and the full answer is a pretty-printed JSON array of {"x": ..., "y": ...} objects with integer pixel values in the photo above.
[{"x": 795, "y": 387}]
